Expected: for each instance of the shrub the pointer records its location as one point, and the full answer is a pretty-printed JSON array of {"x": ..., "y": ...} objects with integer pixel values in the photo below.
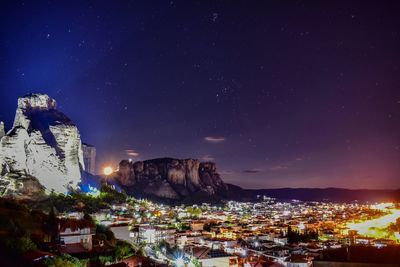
[
  {"x": 22, "y": 244},
  {"x": 64, "y": 261}
]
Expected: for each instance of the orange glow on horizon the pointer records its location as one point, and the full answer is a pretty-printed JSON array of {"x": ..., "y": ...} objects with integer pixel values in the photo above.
[{"x": 378, "y": 227}]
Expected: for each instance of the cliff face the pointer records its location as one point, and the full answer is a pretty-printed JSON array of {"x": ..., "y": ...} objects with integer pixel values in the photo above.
[
  {"x": 2, "y": 131},
  {"x": 170, "y": 178},
  {"x": 43, "y": 144}
]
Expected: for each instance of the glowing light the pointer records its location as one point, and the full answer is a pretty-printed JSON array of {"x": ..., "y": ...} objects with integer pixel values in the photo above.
[
  {"x": 108, "y": 170},
  {"x": 397, "y": 236},
  {"x": 382, "y": 206},
  {"x": 377, "y": 228},
  {"x": 179, "y": 262}
]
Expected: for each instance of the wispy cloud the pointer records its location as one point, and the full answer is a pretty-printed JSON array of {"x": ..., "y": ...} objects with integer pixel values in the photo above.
[
  {"x": 214, "y": 139},
  {"x": 252, "y": 170},
  {"x": 278, "y": 167},
  {"x": 208, "y": 158},
  {"x": 226, "y": 172},
  {"x": 132, "y": 153}
]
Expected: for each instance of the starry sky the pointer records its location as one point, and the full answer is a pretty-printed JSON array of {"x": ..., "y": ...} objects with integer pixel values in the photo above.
[{"x": 277, "y": 93}]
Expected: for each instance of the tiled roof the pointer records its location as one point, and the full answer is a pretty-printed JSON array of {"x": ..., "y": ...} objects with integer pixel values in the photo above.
[
  {"x": 75, "y": 224},
  {"x": 72, "y": 248}
]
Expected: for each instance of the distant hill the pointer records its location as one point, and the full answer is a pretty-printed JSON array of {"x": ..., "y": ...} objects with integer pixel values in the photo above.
[
  {"x": 190, "y": 181},
  {"x": 329, "y": 194}
]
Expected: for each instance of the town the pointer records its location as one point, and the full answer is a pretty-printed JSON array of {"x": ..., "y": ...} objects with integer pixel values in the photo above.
[
  {"x": 116, "y": 230},
  {"x": 199, "y": 133}
]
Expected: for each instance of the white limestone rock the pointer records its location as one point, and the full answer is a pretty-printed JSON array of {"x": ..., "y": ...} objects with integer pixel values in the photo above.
[
  {"x": 44, "y": 144},
  {"x": 21, "y": 186},
  {"x": 2, "y": 131}
]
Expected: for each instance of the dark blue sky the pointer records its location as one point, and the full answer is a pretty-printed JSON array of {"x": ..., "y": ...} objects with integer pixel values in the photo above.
[{"x": 278, "y": 93}]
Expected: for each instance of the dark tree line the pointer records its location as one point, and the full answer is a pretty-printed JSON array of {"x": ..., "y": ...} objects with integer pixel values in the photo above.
[
  {"x": 85, "y": 202},
  {"x": 296, "y": 237}
]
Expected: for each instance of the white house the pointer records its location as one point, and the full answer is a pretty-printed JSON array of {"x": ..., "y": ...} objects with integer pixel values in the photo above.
[
  {"x": 75, "y": 235},
  {"x": 299, "y": 261},
  {"x": 152, "y": 234}
]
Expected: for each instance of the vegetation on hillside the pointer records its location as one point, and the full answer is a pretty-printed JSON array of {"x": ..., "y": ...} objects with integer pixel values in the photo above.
[{"x": 81, "y": 201}]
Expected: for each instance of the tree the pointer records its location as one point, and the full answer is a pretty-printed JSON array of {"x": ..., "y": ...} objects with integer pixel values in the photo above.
[
  {"x": 296, "y": 236},
  {"x": 110, "y": 195},
  {"x": 22, "y": 244},
  {"x": 197, "y": 212},
  {"x": 246, "y": 217},
  {"x": 189, "y": 210},
  {"x": 102, "y": 229},
  {"x": 140, "y": 249},
  {"x": 123, "y": 250},
  {"x": 64, "y": 261},
  {"x": 52, "y": 224},
  {"x": 194, "y": 262},
  {"x": 208, "y": 226},
  {"x": 89, "y": 218},
  {"x": 106, "y": 260},
  {"x": 172, "y": 214}
]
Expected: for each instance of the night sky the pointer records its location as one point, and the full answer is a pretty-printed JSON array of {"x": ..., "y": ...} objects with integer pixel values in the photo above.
[{"x": 277, "y": 93}]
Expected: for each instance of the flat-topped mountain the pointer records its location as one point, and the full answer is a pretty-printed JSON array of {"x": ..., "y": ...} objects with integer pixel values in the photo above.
[{"x": 168, "y": 178}]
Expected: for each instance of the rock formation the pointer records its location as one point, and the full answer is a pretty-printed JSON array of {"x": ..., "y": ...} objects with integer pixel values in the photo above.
[
  {"x": 42, "y": 148},
  {"x": 170, "y": 178},
  {"x": 2, "y": 130}
]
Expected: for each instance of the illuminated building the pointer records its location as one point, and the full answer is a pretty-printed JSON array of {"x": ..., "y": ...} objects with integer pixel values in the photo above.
[
  {"x": 152, "y": 235},
  {"x": 212, "y": 257},
  {"x": 76, "y": 234}
]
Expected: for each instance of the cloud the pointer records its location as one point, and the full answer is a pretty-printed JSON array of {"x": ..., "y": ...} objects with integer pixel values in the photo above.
[
  {"x": 252, "y": 171},
  {"x": 132, "y": 153},
  {"x": 226, "y": 172},
  {"x": 278, "y": 167},
  {"x": 214, "y": 139},
  {"x": 207, "y": 158}
]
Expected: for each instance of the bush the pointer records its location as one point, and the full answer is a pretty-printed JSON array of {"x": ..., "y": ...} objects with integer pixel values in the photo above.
[
  {"x": 22, "y": 244},
  {"x": 64, "y": 261},
  {"x": 123, "y": 250},
  {"x": 109, "y": 195},
  {"x": 87, "y": 203},
  {"x": 104, "y": 260},
  {"x": 296, "y": 237},
  {"x": 104, "y": 230}
]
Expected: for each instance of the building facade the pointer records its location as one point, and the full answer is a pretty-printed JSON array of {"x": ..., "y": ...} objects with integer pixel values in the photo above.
[{"x": 76, "y": 233}]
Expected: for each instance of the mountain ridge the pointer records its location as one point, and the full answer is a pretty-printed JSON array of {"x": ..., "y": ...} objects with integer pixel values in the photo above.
[
  {"x": 234, "y": 192},
  {"x": 42, "y": 152}
]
